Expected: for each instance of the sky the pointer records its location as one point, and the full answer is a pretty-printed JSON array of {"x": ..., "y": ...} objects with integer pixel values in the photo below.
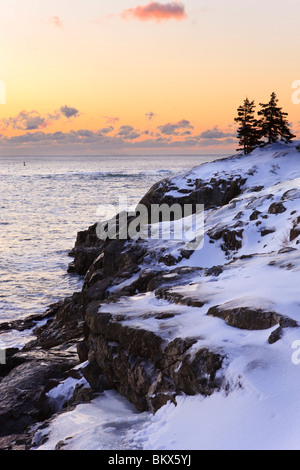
[{"x": 141, "y": 76}]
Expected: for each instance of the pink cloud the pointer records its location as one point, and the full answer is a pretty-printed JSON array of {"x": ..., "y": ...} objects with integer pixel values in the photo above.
[
  {"x": 156, "y": 11},
  {"x": 56, "y": 21},
  {"x": 111, "y": 120}
]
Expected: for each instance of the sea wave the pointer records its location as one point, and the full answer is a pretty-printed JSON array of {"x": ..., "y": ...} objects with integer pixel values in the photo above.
[{"x": 103, "y": 174}]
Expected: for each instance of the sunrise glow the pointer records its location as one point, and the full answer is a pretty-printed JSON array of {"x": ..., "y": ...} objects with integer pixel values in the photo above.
[{"x": 138, "y": 76}]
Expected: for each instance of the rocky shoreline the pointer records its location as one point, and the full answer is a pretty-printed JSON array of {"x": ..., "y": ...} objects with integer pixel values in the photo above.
[{"x": 124, "y": 325}]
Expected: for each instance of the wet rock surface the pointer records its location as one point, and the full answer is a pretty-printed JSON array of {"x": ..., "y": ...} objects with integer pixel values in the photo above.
[{"x": 23, "y": 390}]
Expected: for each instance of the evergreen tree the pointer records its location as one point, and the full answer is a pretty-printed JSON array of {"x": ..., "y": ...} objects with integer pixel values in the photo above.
[
  {"x": 248, "y": 134},
  {"x": 273, "y": 124}
]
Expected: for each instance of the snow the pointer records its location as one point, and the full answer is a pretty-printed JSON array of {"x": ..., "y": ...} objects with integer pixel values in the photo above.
[
  {"x": 99, "y": 425},
  {"x": 258, "y": 406},
  {"x": 59, "y": 395},
  {"x": 261, "y": 412}
]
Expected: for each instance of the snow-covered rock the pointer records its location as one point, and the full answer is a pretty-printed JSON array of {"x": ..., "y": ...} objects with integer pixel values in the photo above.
[
  {"x": 205, "y": 342},
  {"x": 221, "y": 321}
]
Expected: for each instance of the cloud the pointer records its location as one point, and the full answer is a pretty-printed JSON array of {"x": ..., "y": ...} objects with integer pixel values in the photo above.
[
  {"x": 56, "y": 21},
  {"x": 25, "y": 121},
  {"x": 156, "y": 11},
  {"x": 106, "y": 130},
  {"x": 216, "y": 142},
  {"x": 149, "y": 116},
  {"x": 124, "y": 130},
  {"x": 186, "y": 133},
  {"x": 215, "y": 133},
  {"x": 35, "y": 122},
  {"x": 175, "y": 128},
  {"x": 40, "y": 139},
  {"x": 111, "y": 120},
  {"x": 40, "y": 142},
  {"x": 171, "y": 136},
  {"x": 128, "y": 133},
  {"x": 69, "y": 112},
  {"x": 32, "y": 120}
]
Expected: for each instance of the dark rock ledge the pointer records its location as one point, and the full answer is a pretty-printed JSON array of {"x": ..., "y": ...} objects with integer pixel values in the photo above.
[{"x": 148, "y": 370}]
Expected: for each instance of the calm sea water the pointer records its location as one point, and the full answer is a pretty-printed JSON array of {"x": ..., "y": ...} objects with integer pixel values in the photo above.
[{"x": 46, "y": 202}]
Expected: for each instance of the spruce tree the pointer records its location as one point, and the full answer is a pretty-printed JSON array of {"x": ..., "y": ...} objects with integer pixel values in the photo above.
[
  {"x": 248, "y": 134},
  {"x": 273, "y": 124}
]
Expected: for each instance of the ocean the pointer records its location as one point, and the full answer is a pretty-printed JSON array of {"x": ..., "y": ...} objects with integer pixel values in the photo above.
[{"x": 44, "y": 202}]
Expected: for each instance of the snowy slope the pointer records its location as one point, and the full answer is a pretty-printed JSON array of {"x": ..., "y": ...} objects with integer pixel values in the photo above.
[{"x": 258, "y": 406}]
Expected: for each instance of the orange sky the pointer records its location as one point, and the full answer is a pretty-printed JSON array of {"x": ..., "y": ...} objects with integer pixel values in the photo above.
[{"x": 139, "y": 76}]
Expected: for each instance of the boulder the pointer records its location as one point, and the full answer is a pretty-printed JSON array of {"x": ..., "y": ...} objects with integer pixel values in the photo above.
[
  {"x": 276, "y": 208},
  {"x": 277, "y": 334},
  {"x": 294, "y": 233},
  {"x": 255, "y": 214},
  {"x": 246, "y": 318},
  {"x": 232, "y": 240}
]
